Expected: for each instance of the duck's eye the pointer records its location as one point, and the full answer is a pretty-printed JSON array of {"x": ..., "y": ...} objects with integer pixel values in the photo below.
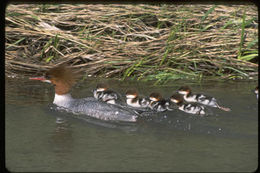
[{"x": 47, "y": 76}]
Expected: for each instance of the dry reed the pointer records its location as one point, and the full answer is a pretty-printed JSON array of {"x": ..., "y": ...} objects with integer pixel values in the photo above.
[{"x": 139, "y": 41}]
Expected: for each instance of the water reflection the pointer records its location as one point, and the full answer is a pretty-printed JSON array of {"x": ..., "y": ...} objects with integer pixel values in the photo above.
[
  {"x": 170, "y": 121},
  {"x": 18, "y": 90},
  {"x": 61, "y": 140}
]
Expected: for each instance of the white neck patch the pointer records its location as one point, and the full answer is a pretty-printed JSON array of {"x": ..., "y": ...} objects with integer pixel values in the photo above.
[
  {"x": 62, "y": 100},
  {"x": 183, "y": 92},
  {"x": 174, "y": 100},
  {"x": 130, "y": 96},
  {"x": 100, "y": 89},
  {"x": 154, "y": 99}
]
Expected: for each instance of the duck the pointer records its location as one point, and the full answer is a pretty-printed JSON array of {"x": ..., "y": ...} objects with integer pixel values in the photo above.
[{"x": 63, "y": 78}]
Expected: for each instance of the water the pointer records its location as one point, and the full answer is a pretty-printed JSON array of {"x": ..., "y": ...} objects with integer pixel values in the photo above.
[{"x": 38, "y": 138}]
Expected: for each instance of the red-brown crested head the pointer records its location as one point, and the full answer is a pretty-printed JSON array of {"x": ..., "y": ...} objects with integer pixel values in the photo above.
[
  {"x": 61, "y": 76},
  {"x": 131, "y": 93},
  {"x": 184, "y": 90},
  {"x": 176, "y": 98},
  {"x": 155, "y": 96},
  {"x": 102, "y": 87}
]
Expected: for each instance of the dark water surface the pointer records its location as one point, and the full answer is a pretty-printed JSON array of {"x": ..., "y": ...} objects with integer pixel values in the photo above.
[{"x": 38, "y": 138}]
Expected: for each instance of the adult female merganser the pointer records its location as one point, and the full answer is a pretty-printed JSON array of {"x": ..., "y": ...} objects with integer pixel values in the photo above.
[
  {"x": 199, "y": 98},
  {"x": 103, "y": 93},
  {"x": 256, "y": 92},
  {"x": 63, "y": 79},
  {"x": 158, "y": 103},
  {"x": 187, "y": 107},
  {"x": 132, "y": 99}
]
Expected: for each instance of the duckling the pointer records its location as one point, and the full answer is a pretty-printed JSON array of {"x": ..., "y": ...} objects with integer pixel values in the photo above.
[
  {"x": 157, "y": 103},
  {"x": 199, "y": 98},
  {"x": 187, "y": 107},
  {"x": 103, "y": 93},
  {"x": 133, "y": 99}
]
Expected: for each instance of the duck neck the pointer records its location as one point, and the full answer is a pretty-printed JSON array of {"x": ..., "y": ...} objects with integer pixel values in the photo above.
[
  {"x": 63, "y": 100},
  {"x": 62, "y": 88}
]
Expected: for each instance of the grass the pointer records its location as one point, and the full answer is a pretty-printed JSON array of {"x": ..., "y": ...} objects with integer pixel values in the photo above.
[
  {"x": 242, "y": 35},
  {"x": 139, "y": 42}
]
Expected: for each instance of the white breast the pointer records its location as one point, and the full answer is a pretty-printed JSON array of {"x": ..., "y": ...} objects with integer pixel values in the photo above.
[
  {"x": 190, "y": 98},
  {"x": 133, "y": 104},
  {"x": 144, "y": 102},
  {"x": 181, "y": 108},
  {"x": 98, "y": 94},
  {"x": 95, "y": 94},
  {"x": 62, "y": 100},
  {"x": 111, "y": 101}
]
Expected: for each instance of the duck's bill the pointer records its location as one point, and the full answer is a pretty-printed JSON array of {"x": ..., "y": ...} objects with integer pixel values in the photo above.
[
  {"x": 43, "y": 79},
  {"x": 37, "y": 78}
]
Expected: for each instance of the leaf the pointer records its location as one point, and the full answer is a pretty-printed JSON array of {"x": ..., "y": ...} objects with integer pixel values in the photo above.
[
  {"x": 248, "y": 57},
  {"x": 18, "y": 41},
  {"x": 208, "y": 12},
  {"x": 49, "y": 58}
]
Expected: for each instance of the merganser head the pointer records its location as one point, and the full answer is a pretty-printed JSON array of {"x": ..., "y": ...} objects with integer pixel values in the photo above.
[
  {"x": 176, "y": 98},
  {"x": 131, "y": 94},
  {"x": 101, "y": 87},
  {"x": 184, "y": 90},
  {"x": 61, "y": 77},
  {"x": 155, "y": 97}
]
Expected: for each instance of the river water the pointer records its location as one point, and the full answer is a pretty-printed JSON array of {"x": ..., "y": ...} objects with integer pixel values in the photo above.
[{"x": 39, "y": 138}]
